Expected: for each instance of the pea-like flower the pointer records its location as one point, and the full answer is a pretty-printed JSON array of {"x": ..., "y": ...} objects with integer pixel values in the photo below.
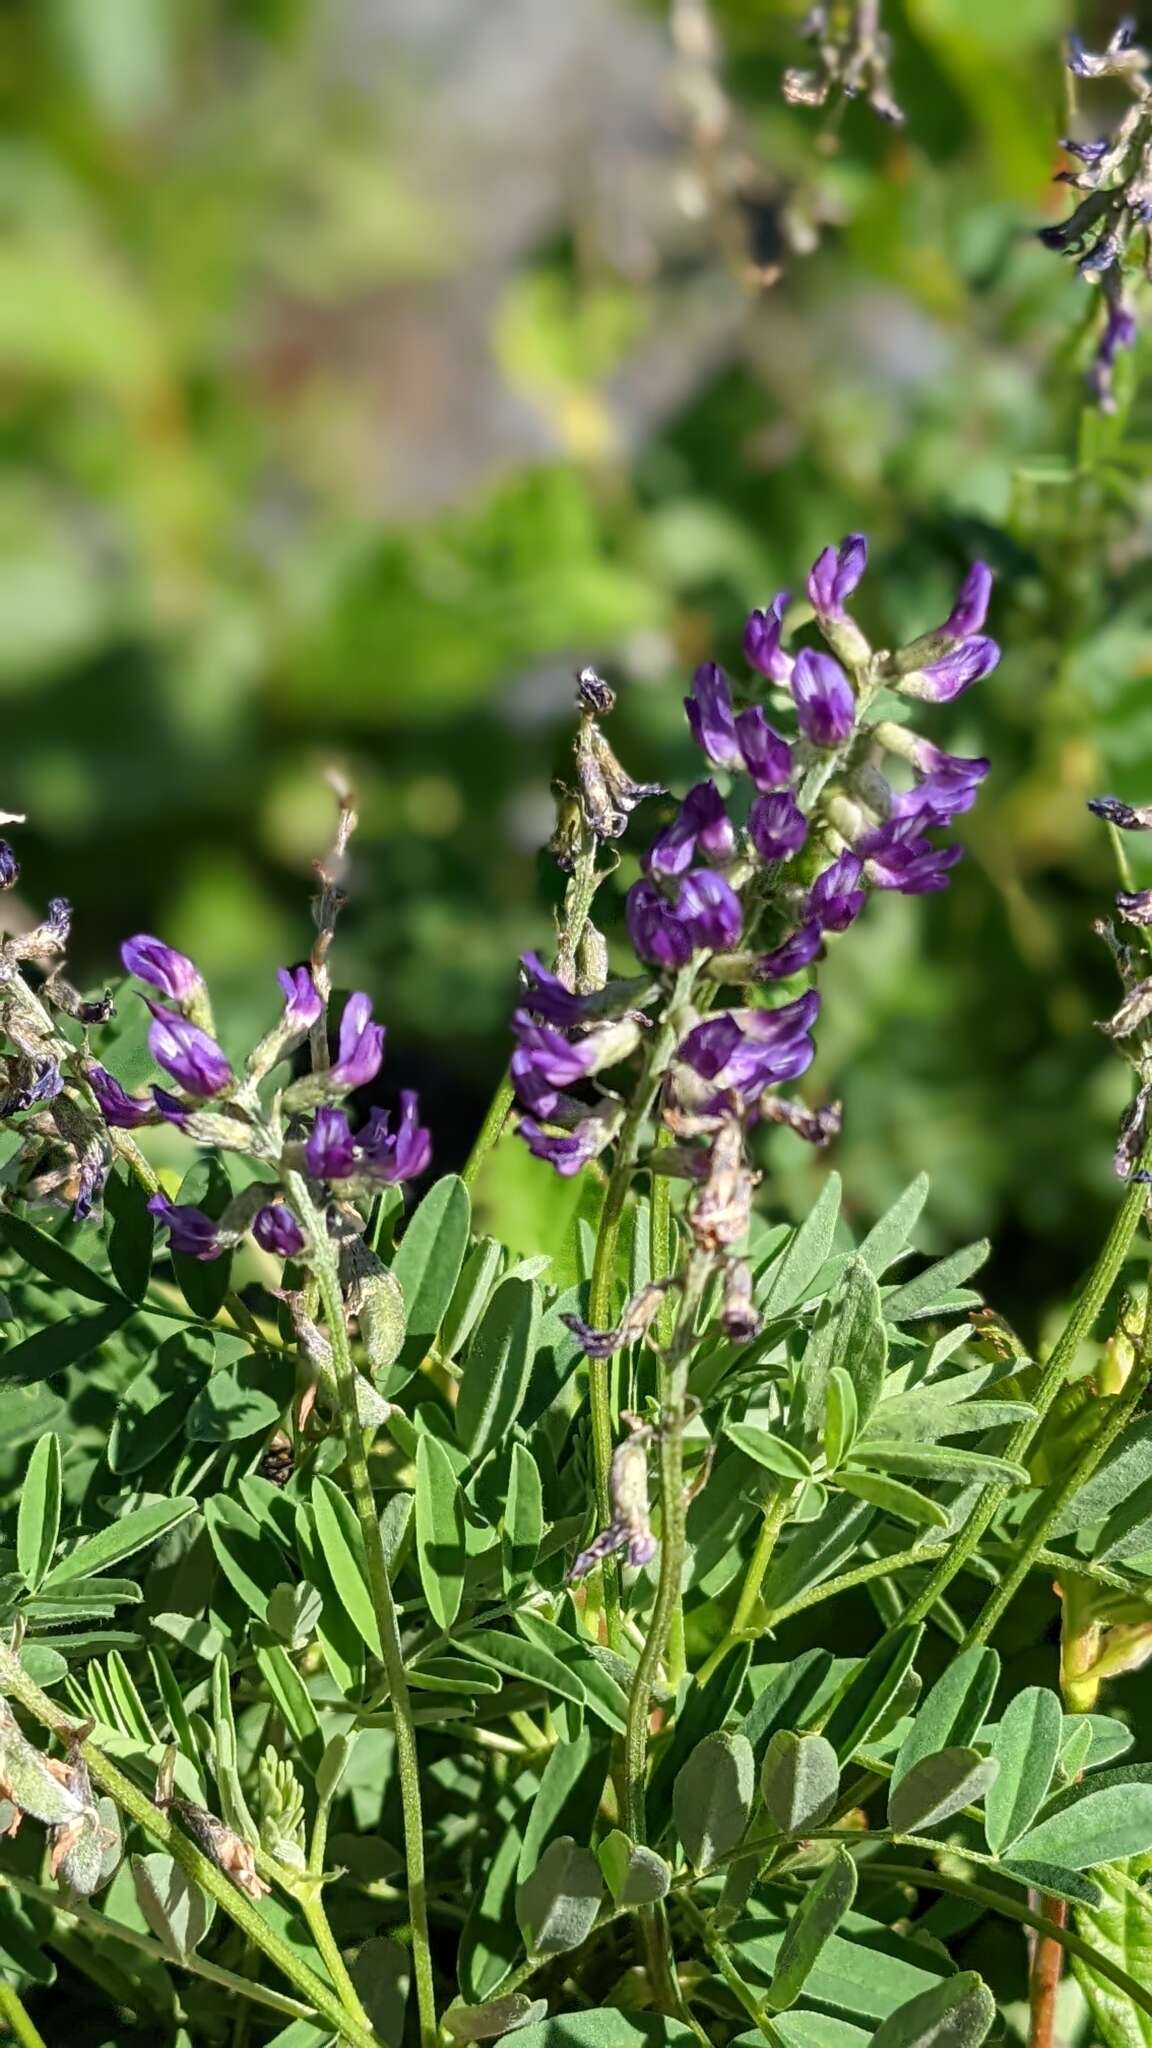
[
  {"x": 702, "y": 830},
  {"x": 302, "y": 1002},
  {"x": 162, "y": 967},
  {"x": 396, "y": 1155},
  {"x": 825, "y": 702},
  {"x": 330, "y": 1153},
  {"x": 186, "y": 1052},
  {"x": 746, "y": 743},
  {"x": 276, "y": 1230},
  {"x": 705, "y": 917},
  {"x": 190, "y": 1230},
  {"x": 777, "y": 826},
  {"x": 835, "y": 574},
  {"x": 762, "y": 649},
  {"x": 121, "y": 1111},
  {"x": 836, "y": 899},
  {"x": 361, "y": 1046}
]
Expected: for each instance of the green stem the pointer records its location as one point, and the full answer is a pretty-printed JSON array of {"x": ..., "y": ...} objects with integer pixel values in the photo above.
[
  {"x": 316, "y": 1919},
  {"x": 486, "y": 1137},
  {"x": 1080, "y": 1324},
  {"x": 16, "y": 2019},
  {"x": 391, "y": 1649},
  {"x": 999, "y": 1902},
  {"x": 775, "y": 1516},
  {"x": 15, "y": 1684},
  {"x": 742, "y": 1992},
  {"x": 1030, "y": 1541},
  {"x": 846, "y": 1582}
]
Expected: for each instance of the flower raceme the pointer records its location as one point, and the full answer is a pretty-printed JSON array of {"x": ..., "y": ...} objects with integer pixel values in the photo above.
[{"x": 846, "y": 802}]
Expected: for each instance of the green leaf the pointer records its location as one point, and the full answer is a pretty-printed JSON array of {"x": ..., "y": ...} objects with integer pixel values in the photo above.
[
  {"x": 894, "y": 1498},
  {"x": 791, "y": 1275},
  {"x": 1128, "y": 1529},
  {"x": 556, "y": 1906},
  {"x": 1026, "y": 1746},
  {"x": 38, "y": 1520},
  {"x": 154, "y": 1404},
  {"x": 865, "y": 1697},
  {"x": 786, "y": 1694},
  {"x": 439, "y": 1531},
  {"x": 935, "y": 1461},
  {"x": 770, "y": 1451},
  {"x": 1100, "y": 1826},
  {"x": 955, "y": 2014},
  {"x": 635, "y": 1876},
  {"x": 799, "y": 1780},
  {"x": 343, "y": 1547},
  {"x": 934, "y": 1290},
  {"x": 498, "y": 1365},
  {"x": 132, "y": 1234},
  {"x": 868, "y": 1974},
  {"x": 176, "y": 1909},
  {"x": 522, "y": 1524},
  {"x": 712, "y": 1796},
  {"x": 489, "y": 1939},
  {"x": 1119, "y": 1930},
  {"x": 382, "y": 1974},
  {"x": 478, "y": 1276},
  {"x": 702, "y": 1709},
  {"x": 499, "y": 2016},
  {"x": 887, "y": 1238},
  {"x": 1127, "y": 1465},
  {"x": 566, "y": 1798},
  {"x": 813, "y": 1923},
  {"x": 1053, "y": 1882},
  {"x": 427, "y": 1266},
  {"x": 607, "y": 2027},
  {"x": 242, "y": 1399},
  {"x": 841, "y": 1416},
  {"x": 204, "y": 1282},
  {"x": 529, "y": 1661},
  {"x": 249, "y": 1559},
  {"x": 1106, "y": 1739},
  {"x": 56, "y": 1263},
  {"x": 818, "y": 1549},
  {"x": 938, "y": 1786},
  {"x": 954, "y": 1710},
  {"x": 54, "y": 1349},
  {"x": 136, "y": 1529}
]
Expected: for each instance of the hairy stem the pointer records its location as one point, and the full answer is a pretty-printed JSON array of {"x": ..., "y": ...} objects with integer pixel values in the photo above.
[
  {"x": 775, "y": 1514},
  {"x": 15, "y": 1684},
  {"x": 323, "y": 1263},
  {"x": 1120, "y": 1408},
  {"x": 1080, "y": 1324},
  {"x": 316, "y": 1919}
]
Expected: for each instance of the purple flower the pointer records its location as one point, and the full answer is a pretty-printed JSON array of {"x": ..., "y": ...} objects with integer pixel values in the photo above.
[
  {"x": 796, "y": 952},
  {"x": 546, "y": 995},
  {"x": 330, "y": 1153},
  {"x": 656, "y": 931},
  {"x": 187, "y": 1053},
  {"x": 897, "y": 857},
  {"x": 361, "y": 1048},
  {"x": 1119, "y": 332},
  {"x": 1087, "y": 152},
  {"x": 189, "y": 1230},
  {"x": 711, "y": 718},
  {"x": 942, "y": 795},
  {"x": 400, "y": 1155},
  {"x": 971, "y": 607},
  {"x": 702, "y": 830},
  {"x": 302, "y": 1001},
  {"x": 276, "y": 1230},
  {"x": 963, "y": 665},
  {"x": 767, "y": 757},
  {"x": 825, "y": 704},
  {"x": 777, "y": 826},
  {"x": 567, "y": 1151},
  {"x": 161, "y": 966},
  {"x": 835, "y": 574},
  {"x": 171, "y": 1108},
  {"x": 545, "y": 1061},
  {"x": 9, "y": 866},
  {"x": 122, "y": 1111},
  {"x": 836, "y": 898},
  {"x": 706, "y": 916},
  {"x": 762, "y": 649},
  {"x": 745, "y": 1050}
]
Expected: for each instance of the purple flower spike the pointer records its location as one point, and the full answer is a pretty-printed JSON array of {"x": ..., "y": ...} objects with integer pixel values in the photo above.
[
  {"x": 193, "y": 1059},
  {"x": 710, "y": 716},
  {"x": 400, "y": 1155},
  {"x": 161, "y": 966},
  {"x": 835, "y": 574},
  {"x": 330, "y": 1153},
  {"x": 361, "y": 1049},
  {"x": 762, "y": 649},
  {"x": 546, "y": 996},
  {"x": 777, "y": 826},
  {"x": 302, "y": 1003},
  {"x": 702, "y": 830},
  {"x": 825, "y": 705},
  {"x": 836, "y": 898},
  {"x": 190, "y": 1231},
  {"x": 656, "y": 932},
  {"x": 122, "y": 1111},
  {"x": 796, "y": 953},
  {"x": 971, "y": 607},
  {"x": 767, "y": 757},
  {"x": 711, "y": 911},
  {"x": 276, "y": 1230},
  {"x": 957, "y": 670}
]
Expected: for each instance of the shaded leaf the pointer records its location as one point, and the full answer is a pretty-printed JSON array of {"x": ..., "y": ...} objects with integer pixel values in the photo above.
[
  {"x": 938, "y": 1786},
  {"x": 498, "y": 1365},
  {"x": 955, "y": 2014},
  {"x": 953, "y": 1711},
  {"x": 557, "y": 1904},
  {"x": 38, "y": 1519},
  {"x": 813, "y": 1923},
  {"x": 440, "y": 1535},
  {"x": 1026, "y": 1746},
  {"x": 799, "y": 1780},
  {"x": 712, "y": 1796}
]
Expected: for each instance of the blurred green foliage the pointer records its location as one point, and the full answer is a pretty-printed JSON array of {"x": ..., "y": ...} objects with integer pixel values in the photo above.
[{"x": 369, "y": 364}]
